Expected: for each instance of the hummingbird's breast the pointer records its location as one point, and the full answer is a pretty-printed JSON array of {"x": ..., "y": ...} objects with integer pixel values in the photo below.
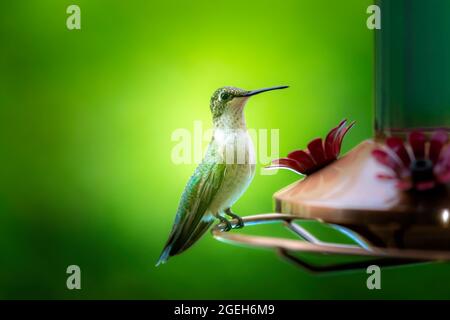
[{"x": 236, "y": 150}]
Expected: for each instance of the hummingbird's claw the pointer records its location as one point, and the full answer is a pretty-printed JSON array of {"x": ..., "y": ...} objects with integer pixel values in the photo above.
[
  {"x": 226, "y": 222},
  {"x": 240, "y": 223}
]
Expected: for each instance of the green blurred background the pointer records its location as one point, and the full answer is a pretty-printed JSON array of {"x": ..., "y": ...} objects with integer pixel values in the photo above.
[{"x": 86, "y": 119}]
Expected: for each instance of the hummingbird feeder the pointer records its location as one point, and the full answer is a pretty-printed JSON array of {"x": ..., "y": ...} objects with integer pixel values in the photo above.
[{"x": 390, "y": 195}]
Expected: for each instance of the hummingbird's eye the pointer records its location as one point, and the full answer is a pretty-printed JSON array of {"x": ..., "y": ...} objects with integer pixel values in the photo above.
[{"x": 224, "y": 96}]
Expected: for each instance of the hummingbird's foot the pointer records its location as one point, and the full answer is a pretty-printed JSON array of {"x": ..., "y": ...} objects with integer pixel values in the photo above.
[
  {"x": 240, "y": 223},
  {"x": 226, "y": 222}
]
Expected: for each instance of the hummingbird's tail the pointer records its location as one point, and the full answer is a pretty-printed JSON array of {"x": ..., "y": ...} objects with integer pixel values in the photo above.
[
  {"x": 182, "y": 238},
  {"x": 164, "y": 256}
]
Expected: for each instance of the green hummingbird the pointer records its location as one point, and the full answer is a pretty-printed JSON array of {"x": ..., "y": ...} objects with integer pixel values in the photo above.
[{"x": 221, "y": 178}]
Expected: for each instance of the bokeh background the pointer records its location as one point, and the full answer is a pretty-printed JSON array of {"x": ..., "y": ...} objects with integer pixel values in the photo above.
[{"x": 86, "y": 119}]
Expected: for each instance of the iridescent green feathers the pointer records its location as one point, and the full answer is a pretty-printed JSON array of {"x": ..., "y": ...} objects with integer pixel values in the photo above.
[
  {"x": 192, "y": 219},
  {"x": 221, "y": 97}
]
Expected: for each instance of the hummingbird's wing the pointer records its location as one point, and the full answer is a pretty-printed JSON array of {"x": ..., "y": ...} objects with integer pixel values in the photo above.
[{"x": 191, "y": 221}]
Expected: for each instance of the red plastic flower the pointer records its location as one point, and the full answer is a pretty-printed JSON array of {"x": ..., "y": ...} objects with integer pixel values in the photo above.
[
  {"x": 317, "y": 155},
  {"x": 420, "y": 164}
]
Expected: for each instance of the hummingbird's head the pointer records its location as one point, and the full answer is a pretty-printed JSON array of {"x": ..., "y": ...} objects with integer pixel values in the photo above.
[{"x": 227, "y": 104}]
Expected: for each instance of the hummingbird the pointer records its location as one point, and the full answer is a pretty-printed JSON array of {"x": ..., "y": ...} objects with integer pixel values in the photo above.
[{"x": 221, "y": 178}]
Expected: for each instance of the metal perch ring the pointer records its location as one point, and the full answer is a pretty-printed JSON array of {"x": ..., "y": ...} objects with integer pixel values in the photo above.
[{"x": 309, "y": 243}]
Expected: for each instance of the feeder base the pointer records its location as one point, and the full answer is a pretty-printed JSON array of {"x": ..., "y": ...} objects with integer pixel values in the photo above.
[{"x": 349, "y": 193}]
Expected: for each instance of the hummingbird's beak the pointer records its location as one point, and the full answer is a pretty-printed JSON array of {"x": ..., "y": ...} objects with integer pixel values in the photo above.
[{"x": 253, "y": 92}]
